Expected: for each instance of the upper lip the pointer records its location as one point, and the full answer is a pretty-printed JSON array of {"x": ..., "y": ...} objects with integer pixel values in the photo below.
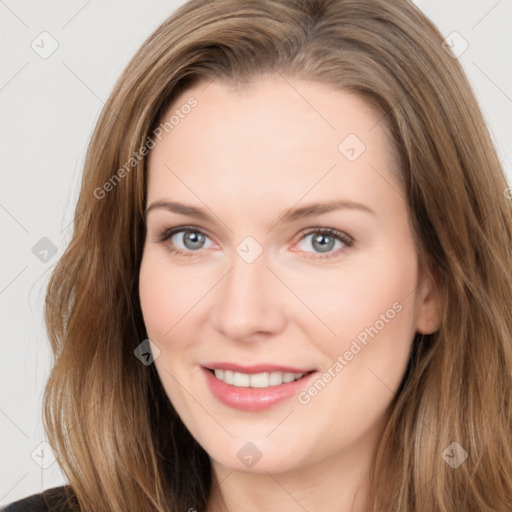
[{"x": 255, "y": 368}]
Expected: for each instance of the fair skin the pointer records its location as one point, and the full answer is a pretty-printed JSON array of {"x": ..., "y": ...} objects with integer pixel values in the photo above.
[{"x": 245, "y": 155}]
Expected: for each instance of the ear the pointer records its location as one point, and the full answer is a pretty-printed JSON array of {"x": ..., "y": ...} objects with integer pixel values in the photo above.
[{"x": 431, "y": 302}]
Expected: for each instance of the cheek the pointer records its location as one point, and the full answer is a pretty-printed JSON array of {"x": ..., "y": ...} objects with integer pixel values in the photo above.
[
  {"x": 165, "y": 300},
  {"x": 167, "y": 294},
  {"x": 375, "y": 326},
  {"x": 366, "y": 361},
  {"x": 154, "y": 299},
  {"x": 375, "y": 294}
]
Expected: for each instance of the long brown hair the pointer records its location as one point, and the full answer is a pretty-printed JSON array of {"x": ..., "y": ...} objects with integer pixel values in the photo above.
[{"x": 118, "y": 439}]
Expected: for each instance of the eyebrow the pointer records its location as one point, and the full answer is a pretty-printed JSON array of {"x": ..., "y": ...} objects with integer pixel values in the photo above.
[{"x": 289, "y": 215}]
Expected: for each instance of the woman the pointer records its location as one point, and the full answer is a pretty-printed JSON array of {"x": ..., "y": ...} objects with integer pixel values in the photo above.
[{"x": 289, "y": 281}]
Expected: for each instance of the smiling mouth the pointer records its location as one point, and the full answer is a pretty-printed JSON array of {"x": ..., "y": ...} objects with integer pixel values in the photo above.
[{"x": 256, "y": 380}]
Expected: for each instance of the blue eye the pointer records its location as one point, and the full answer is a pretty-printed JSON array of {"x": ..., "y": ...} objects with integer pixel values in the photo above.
[
  {"x": 324, "y": 241},
  {"x": 192, "y": 239}
]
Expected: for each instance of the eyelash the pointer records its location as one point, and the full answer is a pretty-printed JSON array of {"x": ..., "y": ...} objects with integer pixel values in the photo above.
[{"x": 166, "y": 234}]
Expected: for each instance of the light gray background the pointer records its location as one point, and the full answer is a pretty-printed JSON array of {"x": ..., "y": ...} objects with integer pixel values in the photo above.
[{"x": 48, "y": 110}]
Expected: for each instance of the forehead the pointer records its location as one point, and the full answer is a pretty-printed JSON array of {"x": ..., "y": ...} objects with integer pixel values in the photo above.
[
  {"x": 274, "y": 137},
  {"x": 272, "y": 101}
]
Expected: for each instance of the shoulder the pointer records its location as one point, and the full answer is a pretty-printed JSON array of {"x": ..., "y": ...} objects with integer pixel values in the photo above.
[{"x": 56, "y": 499}]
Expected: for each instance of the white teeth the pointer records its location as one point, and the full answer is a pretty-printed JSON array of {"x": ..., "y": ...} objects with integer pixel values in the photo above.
[
  {"x": 241, "y": 380},
  {"x": 276, "y": 378},
  {"x": 228, "y": 376},
  {"x": 259, "y": 380},
  {"x": 288, "y": 377},
  {"x": 256, "y": 380}
]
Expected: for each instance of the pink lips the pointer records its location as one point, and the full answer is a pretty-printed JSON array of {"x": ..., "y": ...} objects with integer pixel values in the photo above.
[{"x": 253, "y": 399}]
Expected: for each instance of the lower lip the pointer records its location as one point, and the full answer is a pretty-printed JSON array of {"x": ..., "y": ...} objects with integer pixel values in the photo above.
[{"x": 253, "y": 399}]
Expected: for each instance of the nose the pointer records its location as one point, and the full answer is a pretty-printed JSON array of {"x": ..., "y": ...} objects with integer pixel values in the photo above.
[{"x": 248, "y": 301}]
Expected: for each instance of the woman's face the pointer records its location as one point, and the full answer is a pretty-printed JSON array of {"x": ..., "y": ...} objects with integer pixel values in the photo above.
[{"x": 291, "y": 270}]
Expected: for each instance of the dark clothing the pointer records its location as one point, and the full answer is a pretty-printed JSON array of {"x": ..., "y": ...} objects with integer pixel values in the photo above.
[{"x": 56, "y": 499}]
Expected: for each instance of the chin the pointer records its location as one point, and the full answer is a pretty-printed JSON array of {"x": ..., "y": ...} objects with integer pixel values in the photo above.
[{"x": 258, "y": 457}]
